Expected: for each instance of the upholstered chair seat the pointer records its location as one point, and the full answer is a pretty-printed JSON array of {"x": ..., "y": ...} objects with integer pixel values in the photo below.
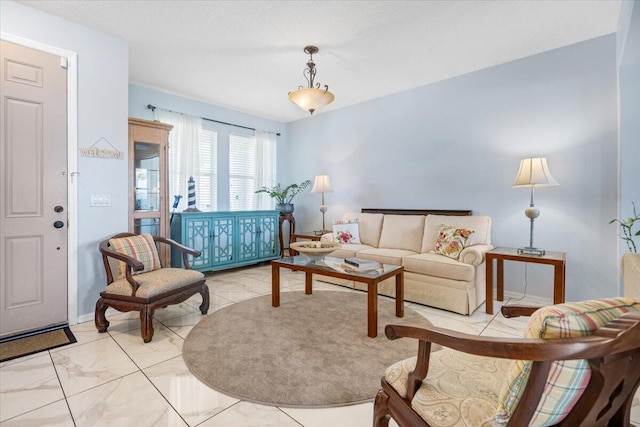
[
  {"x": 461, "y": 389},
  {"x": 156, "y": 282}
]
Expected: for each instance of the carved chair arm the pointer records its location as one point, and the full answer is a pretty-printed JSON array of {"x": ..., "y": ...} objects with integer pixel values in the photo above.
[
  {"x": 131, "y": 263},
  {"x": 184, "y": 249}
]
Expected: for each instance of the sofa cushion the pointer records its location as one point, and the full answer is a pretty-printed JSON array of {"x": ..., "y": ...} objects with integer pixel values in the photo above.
[
  {"x": 481, "y": 226},
  {"x": 369, "y": 226},
  {"x": 402, "y": 232},
  {"x": 460, "y": 389},
  {"x": 567, "y": 379},
  {"x": 349, "y": 250},
  {"x": 156, "y": 282},
  {"x": 141, "y": 247},
  {"x": 451, "y": 241},
  {"x": 385, "y": 256},
  {"x": 431, "y": 264}
]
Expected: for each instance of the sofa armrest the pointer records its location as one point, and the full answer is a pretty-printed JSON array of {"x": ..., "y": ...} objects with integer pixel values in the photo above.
[{"x": 474, "y": 255}]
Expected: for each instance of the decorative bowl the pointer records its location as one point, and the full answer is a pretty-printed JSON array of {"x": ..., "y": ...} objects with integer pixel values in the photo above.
[{"x": 314, "y": 248}]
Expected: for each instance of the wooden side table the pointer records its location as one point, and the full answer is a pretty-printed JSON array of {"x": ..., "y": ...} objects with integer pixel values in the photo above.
[
  {"x": 292, "y": 229},
  {"x": 307, "y": 235},
  {"x": 557, "y": 259}
]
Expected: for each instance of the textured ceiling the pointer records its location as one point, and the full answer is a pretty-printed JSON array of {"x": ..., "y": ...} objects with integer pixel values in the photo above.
[{"x": 247, "y": 55}]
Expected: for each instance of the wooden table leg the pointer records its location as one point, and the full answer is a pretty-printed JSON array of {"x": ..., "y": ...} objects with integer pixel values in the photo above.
[
  {"x": 275, "y": 286},
  {"x": 500, "y": 280},
  {"x": 308, "y": 283},
  {"x": 372, "y": 310},
  {"x": 400, "y": 294},
  {"x": 489, "y": 285},
  {"x": 558, "y": 283}
]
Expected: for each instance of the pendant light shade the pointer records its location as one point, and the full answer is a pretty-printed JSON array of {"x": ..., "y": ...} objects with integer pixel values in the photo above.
[{"x": 312, "y": 97}]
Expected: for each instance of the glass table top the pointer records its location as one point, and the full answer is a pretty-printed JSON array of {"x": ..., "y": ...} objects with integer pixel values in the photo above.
[{"x": 329, "y": 263}]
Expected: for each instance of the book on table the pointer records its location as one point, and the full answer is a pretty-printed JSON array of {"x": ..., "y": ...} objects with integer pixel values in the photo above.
[{"x": 361, "y": 263}]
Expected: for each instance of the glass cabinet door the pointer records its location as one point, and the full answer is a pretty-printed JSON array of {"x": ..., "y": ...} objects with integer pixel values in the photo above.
[
  {"x": 148, "y": 180},
  {"x": 146, "y": 163}
]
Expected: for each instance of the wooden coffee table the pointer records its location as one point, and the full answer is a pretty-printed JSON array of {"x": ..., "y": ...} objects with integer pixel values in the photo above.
[{"x": 311, "y": 266}]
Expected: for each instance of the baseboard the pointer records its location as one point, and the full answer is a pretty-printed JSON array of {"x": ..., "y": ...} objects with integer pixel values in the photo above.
[{"x": 85, "y": 318}]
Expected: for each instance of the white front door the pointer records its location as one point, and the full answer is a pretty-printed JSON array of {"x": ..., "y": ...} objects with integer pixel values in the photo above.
[{"x": 33, "y": 185}]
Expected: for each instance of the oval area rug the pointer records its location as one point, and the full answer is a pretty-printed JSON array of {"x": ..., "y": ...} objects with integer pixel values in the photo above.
[{"x": 313, "y": 350}]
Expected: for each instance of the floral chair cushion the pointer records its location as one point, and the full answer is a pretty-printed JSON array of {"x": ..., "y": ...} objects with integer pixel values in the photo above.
[
  {"x": 567, "y": 379},
  {"x": 460, "y": 389},
  {"x": 141, "y": 247}
]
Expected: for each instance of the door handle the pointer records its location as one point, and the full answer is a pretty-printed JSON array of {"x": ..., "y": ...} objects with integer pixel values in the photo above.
[{"x": 58, "y": 224}]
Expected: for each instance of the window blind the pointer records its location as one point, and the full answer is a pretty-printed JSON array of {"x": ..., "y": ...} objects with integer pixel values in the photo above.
[
  {"x": 242, "y": 161},
  {"x": 207, "y": 182}
]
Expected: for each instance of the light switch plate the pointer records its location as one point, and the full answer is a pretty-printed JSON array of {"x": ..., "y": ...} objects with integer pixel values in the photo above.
[{"x": 100, "y": 200}]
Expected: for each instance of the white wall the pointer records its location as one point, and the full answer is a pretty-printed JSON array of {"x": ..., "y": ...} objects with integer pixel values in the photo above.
[
  {"x": 102, "y": 112},
  {"x": 457, "y": 144}
]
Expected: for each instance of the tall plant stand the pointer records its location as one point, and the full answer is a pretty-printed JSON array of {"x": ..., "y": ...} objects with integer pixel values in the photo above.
[{"x": 292, "y": 229}]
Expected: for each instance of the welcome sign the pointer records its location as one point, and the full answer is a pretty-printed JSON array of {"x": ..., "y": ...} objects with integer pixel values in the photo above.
[{"x": 102, "y": 153}]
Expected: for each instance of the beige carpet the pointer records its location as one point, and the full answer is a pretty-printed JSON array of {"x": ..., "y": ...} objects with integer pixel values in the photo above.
[
  {"x": 35, "y": 343},
  {"x": 313, "y": 350}
]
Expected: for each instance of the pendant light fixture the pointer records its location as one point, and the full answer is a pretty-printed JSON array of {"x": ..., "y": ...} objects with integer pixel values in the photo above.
[{"x": 311, "y": 98}]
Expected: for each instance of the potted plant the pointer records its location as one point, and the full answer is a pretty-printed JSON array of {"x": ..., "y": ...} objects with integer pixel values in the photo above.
[
  {"x": 626, "y": 225},
  {"x": 284, "y": 196}
]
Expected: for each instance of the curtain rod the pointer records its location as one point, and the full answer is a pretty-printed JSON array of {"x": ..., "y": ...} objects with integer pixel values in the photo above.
[{"x": 153, "y": 108}]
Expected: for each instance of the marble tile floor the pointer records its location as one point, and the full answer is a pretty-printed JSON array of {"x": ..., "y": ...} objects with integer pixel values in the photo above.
[{"x": 114, "y": 379}]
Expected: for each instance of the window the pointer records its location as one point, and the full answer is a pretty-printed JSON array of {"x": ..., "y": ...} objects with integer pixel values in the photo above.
[{"x": 242, "y": 164}]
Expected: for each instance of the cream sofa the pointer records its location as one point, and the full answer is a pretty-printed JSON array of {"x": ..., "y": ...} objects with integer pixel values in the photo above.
[
  {"x": 408, "y": 240},
  {"x": 631, "y": 274}
]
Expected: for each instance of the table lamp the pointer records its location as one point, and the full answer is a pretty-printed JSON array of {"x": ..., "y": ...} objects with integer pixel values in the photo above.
[
  {"x": 322, "y": 184},
  {"x": 533, "y": 173}
]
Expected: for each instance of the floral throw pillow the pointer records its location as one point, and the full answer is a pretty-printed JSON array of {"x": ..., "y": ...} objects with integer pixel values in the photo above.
[
  {"x": 346, "y": 232},
  {"x": 451, "y": 240}
]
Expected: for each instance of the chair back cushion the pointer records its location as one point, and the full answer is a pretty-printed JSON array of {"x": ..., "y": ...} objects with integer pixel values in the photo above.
[
  {"x": 567, "y": 379},
  {"x": 141, "y": 247}
]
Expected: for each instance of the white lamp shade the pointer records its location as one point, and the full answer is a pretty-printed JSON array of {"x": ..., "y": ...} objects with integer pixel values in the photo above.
[
  {"x": 322, "y": 184},
  {"x": 534, "y": 172},
  {"x": 311, "y": 99}
]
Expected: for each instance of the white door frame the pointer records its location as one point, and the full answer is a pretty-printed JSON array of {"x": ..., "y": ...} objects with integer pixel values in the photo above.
[{"x": 72, "y": 164}]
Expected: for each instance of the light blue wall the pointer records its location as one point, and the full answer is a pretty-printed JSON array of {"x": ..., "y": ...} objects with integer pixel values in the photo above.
[
  {"x": 103, "y": 74},
  {"x": 629, "y": 93},
  {"x": 457, "y": 144},
  {"x": 140, "y": 97}
]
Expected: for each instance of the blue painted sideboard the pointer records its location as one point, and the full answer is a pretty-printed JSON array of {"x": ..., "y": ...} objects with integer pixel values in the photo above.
[{"x": 227, "y": 239}]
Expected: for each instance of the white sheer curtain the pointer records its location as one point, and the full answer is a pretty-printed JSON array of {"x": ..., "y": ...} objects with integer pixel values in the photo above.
[
  {"x": 265, "y": 173},
  {"x": 183, "y": 153}
]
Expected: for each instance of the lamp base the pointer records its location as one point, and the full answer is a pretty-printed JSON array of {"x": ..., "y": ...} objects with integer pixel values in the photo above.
[{"x": 531, "y": 251}]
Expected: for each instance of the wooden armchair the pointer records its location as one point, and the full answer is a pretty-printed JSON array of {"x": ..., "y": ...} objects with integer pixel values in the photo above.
[
  {"x": 425, "y": 390},
  {"x": 142, "y": 283}
]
